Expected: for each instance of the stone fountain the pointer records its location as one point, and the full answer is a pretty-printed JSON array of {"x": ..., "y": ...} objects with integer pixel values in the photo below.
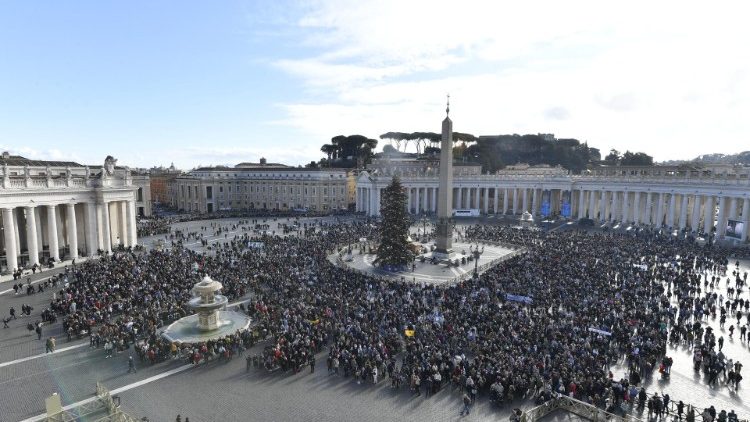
[{"x": 211, "y": 320}]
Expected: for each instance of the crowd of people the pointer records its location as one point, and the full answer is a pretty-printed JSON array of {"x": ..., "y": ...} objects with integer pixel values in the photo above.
[{"x": 555, "y": 320}]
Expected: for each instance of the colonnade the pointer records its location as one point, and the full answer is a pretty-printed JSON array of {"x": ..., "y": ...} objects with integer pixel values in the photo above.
[
  {"x": 37, "y": 233},
  {"x": 656, "y": 206}
]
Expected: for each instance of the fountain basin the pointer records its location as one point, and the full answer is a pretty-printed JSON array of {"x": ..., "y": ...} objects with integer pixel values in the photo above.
[
  {"x": 186, "y": 330},
  {"x": 197, "y": 303}
]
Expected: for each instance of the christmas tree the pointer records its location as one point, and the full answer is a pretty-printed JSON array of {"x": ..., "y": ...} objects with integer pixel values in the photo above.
[{"x": 393, "y": 252}]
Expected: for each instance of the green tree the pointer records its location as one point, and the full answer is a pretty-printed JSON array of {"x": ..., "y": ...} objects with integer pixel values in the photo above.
[
  {"x": 393, "y": 252},
  {"x": 329, "y": 150},
  {"x": 396, "y": 137},
  {"x": 636, "y": 159},
  {"x": 613, "y": 157}
]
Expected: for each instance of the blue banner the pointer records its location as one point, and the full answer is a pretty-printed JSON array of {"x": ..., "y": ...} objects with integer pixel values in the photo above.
[
  {"x": 545, "y": 210},
  {"x": 565, "y": 210},
  {"x": 518, "y": 298}
]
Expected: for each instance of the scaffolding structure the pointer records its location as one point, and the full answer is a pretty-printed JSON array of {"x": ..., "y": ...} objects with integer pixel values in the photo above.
[{"x": 103, "y": 408}]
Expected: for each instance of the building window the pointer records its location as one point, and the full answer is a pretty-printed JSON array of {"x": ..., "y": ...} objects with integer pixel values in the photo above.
[{"x": 209, "y": 193}]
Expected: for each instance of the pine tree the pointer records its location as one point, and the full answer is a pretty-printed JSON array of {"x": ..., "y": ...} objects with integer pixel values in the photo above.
[{"x": 393, "y": 252}]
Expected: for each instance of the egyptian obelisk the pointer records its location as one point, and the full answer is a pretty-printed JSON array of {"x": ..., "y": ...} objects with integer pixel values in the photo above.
[{"x": 444, "y": 241}]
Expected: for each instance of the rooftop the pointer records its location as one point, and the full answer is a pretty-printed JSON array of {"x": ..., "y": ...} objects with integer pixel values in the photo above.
[{"x": 17, "y": 160}]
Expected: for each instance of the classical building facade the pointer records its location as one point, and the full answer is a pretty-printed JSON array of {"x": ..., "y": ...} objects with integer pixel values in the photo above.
[
  {"x": 680, "y": 198},
  {"x": 143, "y": 199},
  {"x": 262, "y": 186},
  {"x": 53, "y": 210},
  {"x": 160, "y": 178}
]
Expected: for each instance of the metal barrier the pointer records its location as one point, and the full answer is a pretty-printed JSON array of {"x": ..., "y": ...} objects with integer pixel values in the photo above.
[
  {"x": 577, "y": 407},
  {"x": 103, "y": 408},
  {"x": 517, "y": 250},
  {"x": 593, "y": 413}
]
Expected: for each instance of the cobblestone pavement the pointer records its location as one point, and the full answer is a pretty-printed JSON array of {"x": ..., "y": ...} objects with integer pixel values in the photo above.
[
  {"x": 427, "y": 272},
  {"x": 225, "y": 392},
  {"x": 690, "y": 386}
]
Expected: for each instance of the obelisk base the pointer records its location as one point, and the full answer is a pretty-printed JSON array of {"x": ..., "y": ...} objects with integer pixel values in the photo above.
[{"x": 444, "y": 241}]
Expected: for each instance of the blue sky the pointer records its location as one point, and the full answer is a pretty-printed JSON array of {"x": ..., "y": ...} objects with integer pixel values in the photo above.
[{"x": 227, "y": 81}]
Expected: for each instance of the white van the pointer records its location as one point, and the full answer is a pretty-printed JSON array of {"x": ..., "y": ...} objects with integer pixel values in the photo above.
[{"x": 473, "y": 212}]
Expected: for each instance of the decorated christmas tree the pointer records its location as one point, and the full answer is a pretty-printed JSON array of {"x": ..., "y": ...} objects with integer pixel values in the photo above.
[{"x": 393, "y": 252}]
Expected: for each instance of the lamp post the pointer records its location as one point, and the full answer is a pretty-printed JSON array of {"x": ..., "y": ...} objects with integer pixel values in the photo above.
[
  {"x": 476, "y": 253},
  {"x": 424, "y": 220}
]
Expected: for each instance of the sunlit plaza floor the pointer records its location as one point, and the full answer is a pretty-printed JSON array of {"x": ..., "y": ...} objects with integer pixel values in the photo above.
[{"x": 226, "y": 392}]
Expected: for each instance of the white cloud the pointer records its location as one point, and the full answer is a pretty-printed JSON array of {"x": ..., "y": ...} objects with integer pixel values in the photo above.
[{"x": 668, "y": 78}]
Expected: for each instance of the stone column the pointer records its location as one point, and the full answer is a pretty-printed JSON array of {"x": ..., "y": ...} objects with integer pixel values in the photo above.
[
  {"x": 625, "y": 207},
  {"x": 11, "y": 247},
  {"x": 592, "y": 205},
  {"x": 72, "y": 231},
  {"x": 696, "y": 215},
  {"x": 91, "y": 229},
  {"x": 132, "y": 225},
  {"x": 683, "y": 212},
  {"x": 671, "y": 212},
  {"x": 721, "y": 224},
  {"x": 534, "y": 201},
  {"x": 39, "y": 230},
  {"x": 408, "y": 200},
  {"x": 709, "y": 208},
  {"x": 506, "y": 197},
  {"x": 603, "y": 205},
  {"x": 525, "y": 200},
  {"x": 31, "y": 236},
  {"x": 106, "y": 228},
  {"x": 122, "y": 219},
  {"x": 745, "y": 212},
  {"x": 20, "y": 223},
  {"x": 647, "y": 211},
  {"x": 497, "y": 198},
  {"x": 486, "y": 200},
  {"x": 99, "y": 228},
  {"x": 459, "y": 203},
  {"x": 54, "y": 248},
  {"x": 581, "y": 207},
  {"x": 732, "y": 208},
  {"x": 615, "y": 205},
  {"x": 637, "y": 208},
  {"x": 659, "y": 221}
]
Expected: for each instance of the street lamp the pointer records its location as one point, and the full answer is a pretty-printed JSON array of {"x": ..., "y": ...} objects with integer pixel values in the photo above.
[
  {"x": 424, "y": 220},
  {"x": 476, "y": 253}
]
